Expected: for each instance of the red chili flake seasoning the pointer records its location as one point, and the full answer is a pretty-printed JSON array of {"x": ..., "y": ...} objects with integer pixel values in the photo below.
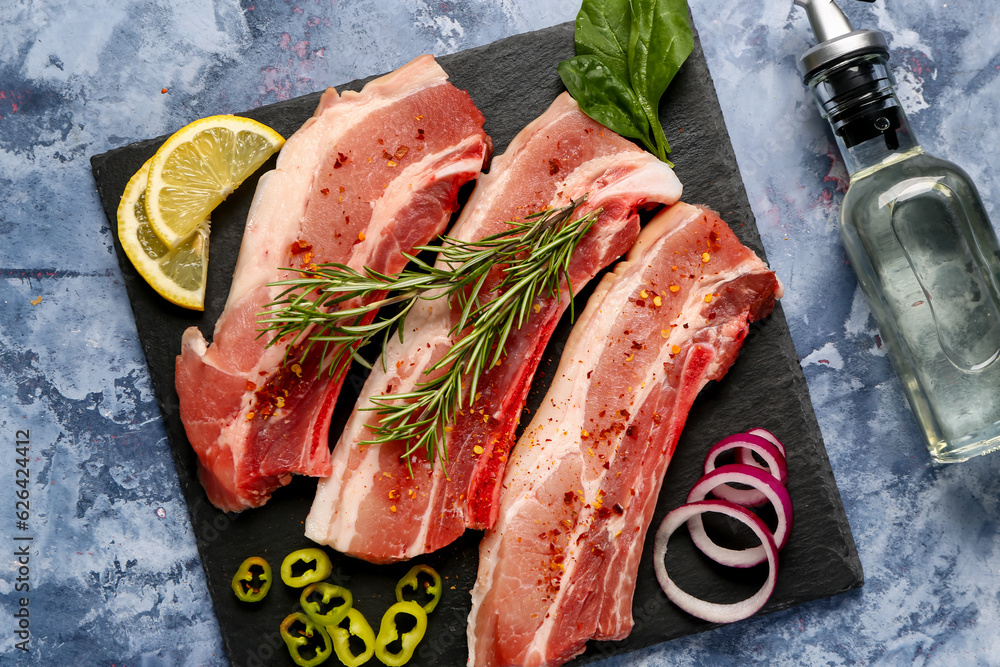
[
  {"x": 568, "y": 498},
  {"x": 276, "y": 389},
  {"x": 298, "y": 247},
  {"x": 554, "y": 166},
  {"x": 325, "y": 191},
  {"x": 420, "y": 135},
  {"x": 341, "y": 160},
  {"x": 401, "y": 153}
]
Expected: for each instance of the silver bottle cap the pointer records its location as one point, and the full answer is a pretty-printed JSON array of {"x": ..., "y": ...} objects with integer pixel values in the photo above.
[{"x": 838, "y": 40}]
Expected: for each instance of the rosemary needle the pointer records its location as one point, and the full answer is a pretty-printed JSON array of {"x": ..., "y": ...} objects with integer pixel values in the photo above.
[{"x": 328, "y": 305}]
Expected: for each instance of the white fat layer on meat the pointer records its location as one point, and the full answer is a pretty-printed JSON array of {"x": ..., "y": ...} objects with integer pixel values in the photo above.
[
  {"x": 274, "y": 219},
  {"x": 652, "y": 180},
  {"x": 649, "y": 179},
  {"x": 325, "y": 523},
  {"x": 484, "y": 581}
]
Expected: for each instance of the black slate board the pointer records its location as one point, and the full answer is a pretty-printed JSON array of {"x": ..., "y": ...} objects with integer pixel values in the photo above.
[{"x": 512, "y": 81}]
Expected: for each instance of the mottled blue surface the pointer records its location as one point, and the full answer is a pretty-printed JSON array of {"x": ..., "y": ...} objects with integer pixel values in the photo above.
[{"x": 114, "y": 574}]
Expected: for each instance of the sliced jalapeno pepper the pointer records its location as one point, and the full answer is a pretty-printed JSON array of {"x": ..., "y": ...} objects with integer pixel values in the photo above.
[
  {"x": 357, "y": 627},
  {"x": 319, "y": 572},
  {"x": 252, "y": 580},
  {"x": 313, "y": 608},
  {"x": 299, "y": 638},
  {"x": 388, "y": 632},
  {"x": 412, "y": 580}
]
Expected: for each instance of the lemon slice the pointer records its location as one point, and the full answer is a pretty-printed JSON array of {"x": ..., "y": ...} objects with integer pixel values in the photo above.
[
  {"x": 198, "y": 167},
  {"x": 179, "y": 275}
]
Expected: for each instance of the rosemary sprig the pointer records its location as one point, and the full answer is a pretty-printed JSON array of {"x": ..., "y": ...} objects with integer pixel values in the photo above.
[{"x": 535, "y": 253}]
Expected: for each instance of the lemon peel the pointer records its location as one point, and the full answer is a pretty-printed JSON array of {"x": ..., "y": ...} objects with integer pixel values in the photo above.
[{"x": 178, "y": 275}]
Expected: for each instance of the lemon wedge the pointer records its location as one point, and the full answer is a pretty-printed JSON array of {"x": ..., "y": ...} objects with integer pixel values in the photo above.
[
  {"x": 198, "y": 167},
  {"x": 179, "y": 275}
]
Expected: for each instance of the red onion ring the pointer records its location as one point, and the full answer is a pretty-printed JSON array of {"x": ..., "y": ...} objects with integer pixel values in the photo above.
[
  {"x": 770, "y": 437},
  {"x": 712, "y": 611},
  {"x": 746, "y": 445},
  {"x": 759, "y": 479},
  {"x": 747, "y": 457}
]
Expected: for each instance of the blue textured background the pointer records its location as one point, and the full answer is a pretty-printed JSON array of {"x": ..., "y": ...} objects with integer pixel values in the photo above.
[{"x": 115, "y": 578}]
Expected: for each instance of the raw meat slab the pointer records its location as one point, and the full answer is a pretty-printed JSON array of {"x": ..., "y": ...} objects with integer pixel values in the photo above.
[{"x": 512, "y": 81}]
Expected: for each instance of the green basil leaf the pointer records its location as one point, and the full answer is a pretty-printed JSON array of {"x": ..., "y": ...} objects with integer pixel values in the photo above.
[
  {"x": 605, "y": 97},
  {"x": 602, "y": 29},
  {"x": 660, "y": 40}
]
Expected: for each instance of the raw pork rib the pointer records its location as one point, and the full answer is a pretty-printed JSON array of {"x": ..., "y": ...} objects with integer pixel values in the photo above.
[
  {"x": 369, "y": 176},
  {"x": 370, "y": 507},
  {"x": 559, "y": 567}
]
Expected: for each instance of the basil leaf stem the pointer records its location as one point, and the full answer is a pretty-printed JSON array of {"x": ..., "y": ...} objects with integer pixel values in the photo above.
[{"x": 659, "y": 42}]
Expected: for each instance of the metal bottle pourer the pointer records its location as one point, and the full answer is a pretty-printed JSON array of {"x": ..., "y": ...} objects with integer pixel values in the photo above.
[
  {"x": 838, "y": 40},
  {"x": 849, "y": 75}
]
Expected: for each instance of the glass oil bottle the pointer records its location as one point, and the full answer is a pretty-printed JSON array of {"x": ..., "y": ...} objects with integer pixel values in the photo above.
[{"x": 916, "y": 232}]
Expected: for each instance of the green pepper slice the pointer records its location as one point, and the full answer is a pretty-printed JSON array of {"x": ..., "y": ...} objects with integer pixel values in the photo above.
[
  {"x": 296, "y": 639},
  {"x": 313, "y": 608},
  {"x": 319, "y": 572},
  {"x": 252, "y": 580},
  {"x": 357, "y": 627},
  {"x": 411, "y": 580},
  {"x": 388, "y": 633}
]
